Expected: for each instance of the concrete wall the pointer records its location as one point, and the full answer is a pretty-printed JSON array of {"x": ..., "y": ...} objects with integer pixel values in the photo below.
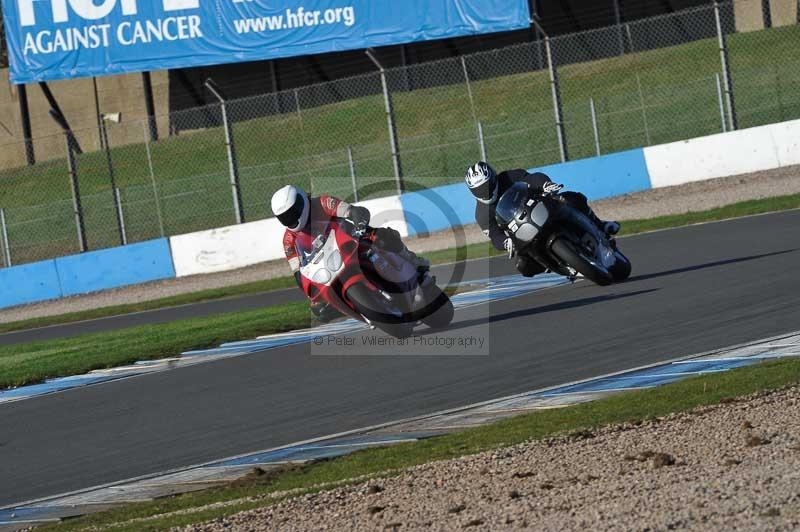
[
  {"x": 724, "y": 154},
  {"x": 88, "y": 272},
  {"x": 111, "y": 268},
  {"x": 239, "y": 246},
  {"x": 783, "y": 12},
  {"x": 116, "y": 94},
  {"x": 440, "y": 208},
  {"x": 749, "y": 15}
]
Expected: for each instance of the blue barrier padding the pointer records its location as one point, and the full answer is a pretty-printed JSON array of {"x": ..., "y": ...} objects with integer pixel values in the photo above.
[
  {"x": 449, "y": 206},
  {"x": 29, "y": 283},
  {"x": 602, "y": 177},
  {"x": 111, "y": 268},
  {"x": 439, "y": 208}
]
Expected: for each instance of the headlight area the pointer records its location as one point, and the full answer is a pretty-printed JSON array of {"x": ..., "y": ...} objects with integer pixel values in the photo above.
[
  {"x": 334, "y": 261},
  {"x": 322, "y": 276}
]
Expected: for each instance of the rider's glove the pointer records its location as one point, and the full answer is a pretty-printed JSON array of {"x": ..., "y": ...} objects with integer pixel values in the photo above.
[
  {"x": 551, "y": 188},
  {"x": 509, "y": 245}
]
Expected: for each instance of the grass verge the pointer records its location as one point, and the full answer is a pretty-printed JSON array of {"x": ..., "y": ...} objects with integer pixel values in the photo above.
[
  {"x": 33, "y": 362},
  {"x": 473, "y": 251},
  {"x": 633, "y": 406},
  {"x": 166, "y": 302}
]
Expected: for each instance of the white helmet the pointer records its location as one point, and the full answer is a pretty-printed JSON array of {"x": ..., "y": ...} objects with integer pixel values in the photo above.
[
  {"x": 291, "y": 206},
  {"x": 482, "y": 182}
]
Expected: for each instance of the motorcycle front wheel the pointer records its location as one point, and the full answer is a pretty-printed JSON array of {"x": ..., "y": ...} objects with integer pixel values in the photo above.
[
  {"x": 565, "y": 251},
  {"x": 621, "y": 269},
  {"x": 443, "y": 310}
]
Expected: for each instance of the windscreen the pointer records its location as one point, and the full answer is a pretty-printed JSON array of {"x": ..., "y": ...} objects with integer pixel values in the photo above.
[
  {"x": 512, "y": 202},
  {"x": 310, "y": 242}
]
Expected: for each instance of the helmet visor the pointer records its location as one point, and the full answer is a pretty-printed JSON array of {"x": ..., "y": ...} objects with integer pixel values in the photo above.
[
  {"x": 291, "y": 218},
  {"x": 485, "y": 191}
]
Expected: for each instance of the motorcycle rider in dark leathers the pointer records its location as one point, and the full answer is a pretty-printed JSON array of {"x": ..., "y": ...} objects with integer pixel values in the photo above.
[{"x": 487, "y": 186}]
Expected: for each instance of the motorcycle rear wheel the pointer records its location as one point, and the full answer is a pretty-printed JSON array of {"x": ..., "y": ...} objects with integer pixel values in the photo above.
[
  {"x": 566, "y": 251},
  {"x": 378, "y": 311}
]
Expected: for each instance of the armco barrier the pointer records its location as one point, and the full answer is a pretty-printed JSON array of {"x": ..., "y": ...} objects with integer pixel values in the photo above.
[
  {"x": 29, "y": 283},
  {"x": 88, "y": 272},
  {"x": 437, "y": 209},
  {"x": 603, "y": 177},
  {"x": 440, "y": 208},
  {"x": 239, "y": 246},
  {"x": 227, "y": 248},
  {"x": 724, "y": 154},
  {"x": 786, "y": 137},
  {"x": 115, "y": 267}
]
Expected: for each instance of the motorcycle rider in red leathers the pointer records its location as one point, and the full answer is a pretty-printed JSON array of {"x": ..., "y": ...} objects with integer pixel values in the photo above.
[{"x": 306, "y": 217}]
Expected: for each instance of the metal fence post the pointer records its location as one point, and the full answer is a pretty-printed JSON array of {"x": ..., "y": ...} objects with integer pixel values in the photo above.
[
  {"x": 618, "y": 22},
  {"x": 110, "y": 163},
  {"x": 352, "y": 164},
  {"x": 236, "y": 189},
  {"x": 77, "y": 207},
  {"x": 297, "y": 106},
  {"x": 25, "y": 118},
  {"x": 72, "y": 166},
  {"x": 6, "y": 244},
  {"x": 721, "y": 100},
  {"x": 153, "y": 179},
  {"x": 630, "y": 37},
  {"x": 726, "y": 70},
  {"x": 469, "y": 88},
  {"x": 557, "y": 108},
  {"x": 482, "y": 142},
  {"x": 149, "y": 103},
  {"x": 121, "y": 217},
  {"x": 596, "y": 129},
  {"x": 395, "y": 146}
]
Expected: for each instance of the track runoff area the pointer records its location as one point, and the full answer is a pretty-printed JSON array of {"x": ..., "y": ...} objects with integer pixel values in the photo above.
[{"x": 703, "y": 298}]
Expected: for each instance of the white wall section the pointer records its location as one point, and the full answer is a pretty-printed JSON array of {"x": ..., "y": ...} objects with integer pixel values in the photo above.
[
  {"x": 387, "y": 212},
  {"x": 227, "y": 248},
  {"x": 239, "y": 246},
  {"x": 721, "y": 155},
  {"x": 786, "y": 136},
  {"x": 724, "y": 154}
]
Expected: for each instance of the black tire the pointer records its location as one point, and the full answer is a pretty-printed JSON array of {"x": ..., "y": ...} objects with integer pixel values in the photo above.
[
  {"x": 378, "y": 311},
  {"x": 621, "y": 269},
  {"x": 565, "y": 251},
  {"x": 444, "y": 311}
]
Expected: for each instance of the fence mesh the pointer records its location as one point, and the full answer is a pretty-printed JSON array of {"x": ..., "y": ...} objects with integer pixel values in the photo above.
[{"x": 640, "y": 83}]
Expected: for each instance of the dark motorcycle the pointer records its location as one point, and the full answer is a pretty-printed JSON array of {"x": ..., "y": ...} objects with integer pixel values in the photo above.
[{"x": 547, "y": 229}]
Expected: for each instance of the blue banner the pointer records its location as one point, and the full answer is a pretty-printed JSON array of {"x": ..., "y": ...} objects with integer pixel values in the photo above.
[{"x": 57, "y": 39}]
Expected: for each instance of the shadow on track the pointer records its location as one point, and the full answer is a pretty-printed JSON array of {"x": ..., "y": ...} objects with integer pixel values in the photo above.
[
  {"x": 539, "y": 310},
  {"x": 705, "y": 266}
]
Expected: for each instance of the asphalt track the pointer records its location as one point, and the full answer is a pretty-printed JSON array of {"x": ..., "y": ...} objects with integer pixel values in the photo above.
[{"x": 693, "y": 289}]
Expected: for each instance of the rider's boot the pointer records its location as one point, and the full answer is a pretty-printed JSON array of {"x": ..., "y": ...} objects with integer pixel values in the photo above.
[
  {"x": 609, "y": 227},
  {"x": 420, "y": 263},
  {"x": 579, "y": 201}
]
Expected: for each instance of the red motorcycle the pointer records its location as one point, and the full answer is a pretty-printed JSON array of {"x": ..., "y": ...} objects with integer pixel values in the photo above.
[{"x": 341, "y": 265}]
